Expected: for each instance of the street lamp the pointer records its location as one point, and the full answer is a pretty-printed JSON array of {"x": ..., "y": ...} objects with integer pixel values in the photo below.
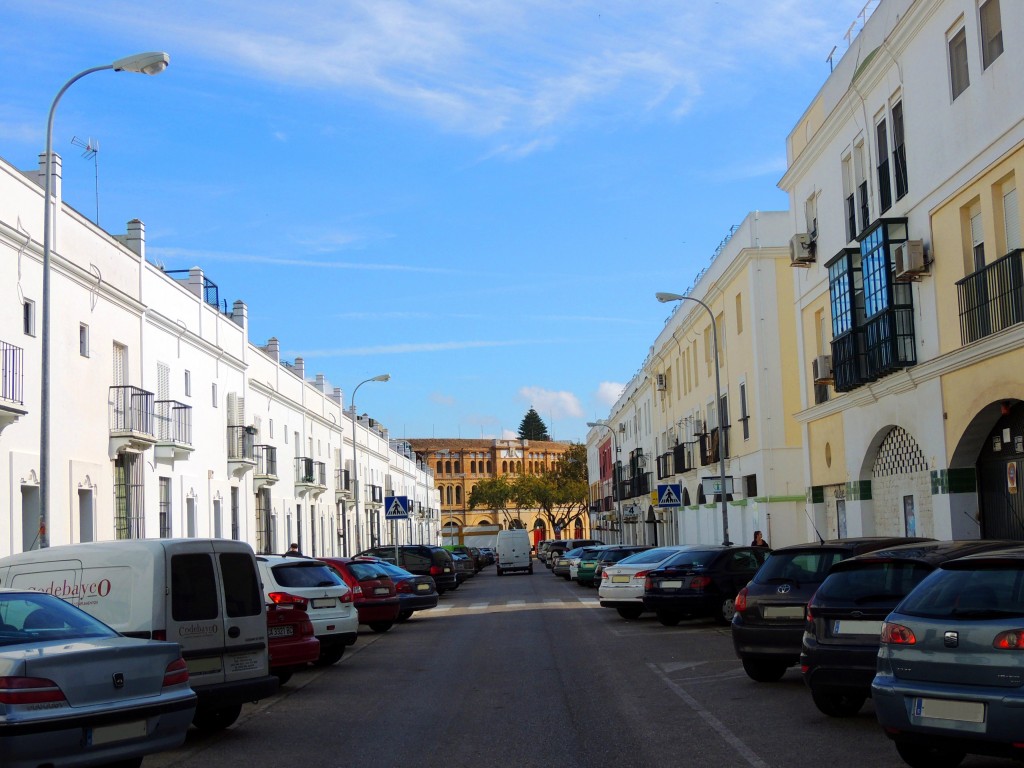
[
  {"x": 143, "y": 63},
  {"x": 615, "y": 474},
  {"x": 665, "y": 297},
  {"x": 355, "y": 458}
]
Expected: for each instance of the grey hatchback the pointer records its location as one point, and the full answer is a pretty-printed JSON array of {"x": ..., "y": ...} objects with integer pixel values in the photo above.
[{"x": 950, "y": 677}]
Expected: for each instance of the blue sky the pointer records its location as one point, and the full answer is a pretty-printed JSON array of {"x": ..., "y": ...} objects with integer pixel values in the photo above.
[{"x": 479, "y": 197}]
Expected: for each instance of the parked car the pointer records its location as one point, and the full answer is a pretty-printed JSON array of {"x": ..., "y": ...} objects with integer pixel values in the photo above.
[
  {"x": 489, "y": 555},
  {"x": 559, "y": 547},
  {"x": 474, "y": 557},
  {"x": 949, "y": 665},
  {"x": 622, "y": 584},
  {"x": 574, "y": 563},
  {"x": 318, "y": 589},
  {"x": 373, "y": 591},
  {"x": 421, "y": 559},
  {"x": 771, "y": 611},
  {"x": 844, "y": 617},
  {"x": 563, "y": 562},
  {"x": 291, "y": 643},
  {"x": 415, "y": 592},
  {"x": 514, "y": 552},
  {"x": 592, "y": 565},
  {"x": 74, "y": 692},
  {"x": 542, "y": 549},
  {"x": 702, "y": 581},
  {"x": 465, "y": 569}
]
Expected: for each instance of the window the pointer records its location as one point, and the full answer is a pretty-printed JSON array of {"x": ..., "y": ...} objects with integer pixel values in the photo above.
[
  {"x": 977, "y": 240},
  {"x": 242, "y": 592},
  {"x": 884, "y": 185},
  {"x": 83, "y": 339},
  {"x": 811, "y": 215},
  {"x": 165, "y": 507},
  {"x": 849, "y": 202},
  {"x": 899, "y": 151},
  {"x": 188, "y": 383},
  {"x": 991, "y": 33},
  {"x": 744, "y": 415},
  {"x": 860, "y": 171},
  {"x": 959, "y": 75},
  {"x": 213, "y": 394},
  {"x": 194, "y": 588},
  {"x": 28, "y": 315},
  {"x": 1011, "y": 219},
  {"x": 739, "y": 314}
]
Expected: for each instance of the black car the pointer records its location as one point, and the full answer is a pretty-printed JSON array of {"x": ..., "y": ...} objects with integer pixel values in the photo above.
[
  {"x": 702, "y": 581},
  {"x": 844, "y": 618},
  {"x": 422, "y": 560},
  {"x": 768, "y": 626},
  {"x": 415, "y": 593}
]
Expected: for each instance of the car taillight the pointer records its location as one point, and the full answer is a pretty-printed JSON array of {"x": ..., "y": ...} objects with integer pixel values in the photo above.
[
  {"x": 29, "y": 690},
  {"x": 286, "y": 600},
  {"x": 403, "y": 586},
  {"x": 604, "y": 575},
  {"x": 348, "y": 597},
  {"x": 436, "y": 570},
  {"x": 807, "y": 609},
  {"x": 648, "y": 583},
  {"x": 640, "y": 574},
  {"x": 357, "y": 590},
  {"x": 699, "y": 582},
  {"x": 159, "y": 634},
  {"x": 176, "y": 672},
  {"x": 897, "y": 634},
  {"x": 740, "y": 603},
  {"x": 1010, "y": 640}
]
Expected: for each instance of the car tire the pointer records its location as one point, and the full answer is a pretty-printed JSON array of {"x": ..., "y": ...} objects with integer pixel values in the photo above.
[
  {"x": 212, "y": 719},
  {"x": 836, "y": 702},
  {"x": 921, "y": 756},
  {"x": 403, "y": 616},
  {"x": 381, "y": 626},
  {"x": 501, "y": 572},
  {"x": 726, "y": 610},
  {"x": 764, "y": 671},
  {"x": 630, "y": 612},
  {"x": 330, "y": 655},
  {"x": 669, "y": 619}
]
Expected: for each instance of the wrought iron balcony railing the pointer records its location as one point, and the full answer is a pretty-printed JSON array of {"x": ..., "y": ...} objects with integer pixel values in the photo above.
[
  {"x": 266, "y": 460},
  {"x": 173, "y": 422},
  {"x": 992, "y": 298},
  {"x": 12, "y": 374},
  {"x": 131, "y": 411},
  {"x": 240, "y": 443}
]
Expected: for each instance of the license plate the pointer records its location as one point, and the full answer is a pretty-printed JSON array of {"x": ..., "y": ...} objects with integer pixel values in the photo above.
[
  {"x": 855, "y": 627},
  {"x": 284, "y": 631},
  {"x": 620, "y": 579},
  {"x": 422, "y": 587},
  {"x": 783, "y": 612},
  {"x": 380, "y": 590},
  {"x": 671, "y": 584},
  {"x": 108, "y": 734},
  {"x": 204, "y": 665},
  {"x": 948, "y": 709},
  {"x": 323, "y": 602}
]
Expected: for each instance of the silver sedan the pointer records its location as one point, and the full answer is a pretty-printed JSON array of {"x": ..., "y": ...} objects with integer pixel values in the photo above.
[{"x": 73, "y": 692}]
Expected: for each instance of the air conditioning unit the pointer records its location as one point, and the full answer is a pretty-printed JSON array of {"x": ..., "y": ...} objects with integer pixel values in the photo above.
[
  {"x": 801, "y": 249},
  {"x": 661, "y": 382},
  {"x": 821, "y": 368},
  {"x": 909, "y": 258}
]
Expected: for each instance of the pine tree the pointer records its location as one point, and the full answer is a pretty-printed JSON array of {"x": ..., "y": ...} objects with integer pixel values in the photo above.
[{"x": 532, "y": 427}]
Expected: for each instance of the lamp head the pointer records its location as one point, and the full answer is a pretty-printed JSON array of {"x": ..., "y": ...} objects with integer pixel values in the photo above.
[
  {"x": 666, "y": 297},
  {"x": 382, "y": 377},
  {"x": 152, "y": 63}
]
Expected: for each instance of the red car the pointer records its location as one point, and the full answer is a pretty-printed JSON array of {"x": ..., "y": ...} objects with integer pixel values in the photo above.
[
  {"x": 376, "y": 598},
  {"x": 290, "y": 641}
]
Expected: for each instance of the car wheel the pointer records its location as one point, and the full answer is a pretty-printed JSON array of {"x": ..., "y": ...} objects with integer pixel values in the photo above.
[
  {"x": 381, "y": 626},
  {"x": 630, "y": 611},
  {"x": 283, "y": 675},
  {"x": 403, "y": 616},
  {"x": 669, "y": 619},
  {"x": 836, "y": 702},
  {"x": 726, "y": 610},
  {"x": 921, "y": 756},
  {"x": 500, "y": 572},
  {"x": 764, "y": 671},
  {"x": 330, "y": 655},
  {"x": 216, "y": 718}
]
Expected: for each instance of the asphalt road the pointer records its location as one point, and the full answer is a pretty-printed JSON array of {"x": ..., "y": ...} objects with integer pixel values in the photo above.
[{"x": 524, "y": 671}]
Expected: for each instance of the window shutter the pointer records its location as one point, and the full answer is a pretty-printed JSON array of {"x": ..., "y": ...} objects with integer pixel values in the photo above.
[
  {"x": 119, "y": 355},
  {"x": 163, "y": 381},
  {"x": 1011, "y": 215},
  {"x": 977, "y": 232}
]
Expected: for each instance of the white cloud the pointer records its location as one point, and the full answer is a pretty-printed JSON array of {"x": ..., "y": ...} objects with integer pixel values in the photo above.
[
  {"x": 509, "y": 434},
  {"x": 608, "y": 392},
  {"x": 440, "y": 399},
  {"x": 550, "y": 404}
]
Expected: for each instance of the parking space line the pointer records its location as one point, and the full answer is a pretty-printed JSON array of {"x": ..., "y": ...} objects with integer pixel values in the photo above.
[
  {"x": 717, "y": 725},
  {"x": 516, "y": 602},
  {"x": 478, "y": 606}
]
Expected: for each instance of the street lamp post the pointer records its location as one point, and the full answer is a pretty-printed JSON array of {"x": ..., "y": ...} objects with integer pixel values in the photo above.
[
  {"x": 355, "y": 458},
  {"x": 615, "y": 475},
  {"x": 143, "y": 63},
  {"x": 665, "y": 297}
]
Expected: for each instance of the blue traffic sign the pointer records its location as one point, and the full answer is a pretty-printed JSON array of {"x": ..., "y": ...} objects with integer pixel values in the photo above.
[
  {"x": 396, "y": 507},
  {"x": 669, "y": 495}
]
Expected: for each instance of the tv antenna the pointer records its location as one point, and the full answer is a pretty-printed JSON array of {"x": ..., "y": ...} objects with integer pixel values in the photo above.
[{"x": 91, "y": 151}]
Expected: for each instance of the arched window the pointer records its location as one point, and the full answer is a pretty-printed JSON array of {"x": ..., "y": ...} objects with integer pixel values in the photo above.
[
  {"x": 439, "y": 465},
  {"x": 457, "y": 465},
  {"x": 519, "y": 466},
  {"x": 448, "y": 467},
  {"x": 448, "y": 493},
  {"x": 504, "y": 467},
  {"x": 472, "y": 467},
  {"x": 458, "y": 494},
  {"x": 488, "y": 466}
]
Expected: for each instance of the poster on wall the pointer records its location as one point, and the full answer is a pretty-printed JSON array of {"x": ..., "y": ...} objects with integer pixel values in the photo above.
[
  {"x": 1011, "y": 477},
  {"x": 909, "y": 520}
]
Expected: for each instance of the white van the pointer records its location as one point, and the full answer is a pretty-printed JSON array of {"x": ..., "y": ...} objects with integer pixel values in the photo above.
[
  {"x": 205, "y": 594},
  {"x": 514, "y": 551}
]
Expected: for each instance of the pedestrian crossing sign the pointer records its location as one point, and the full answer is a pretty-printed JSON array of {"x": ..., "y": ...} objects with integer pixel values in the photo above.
[
  {"x": 396, "y": 507},
  {"x": 669, "y": 495}
]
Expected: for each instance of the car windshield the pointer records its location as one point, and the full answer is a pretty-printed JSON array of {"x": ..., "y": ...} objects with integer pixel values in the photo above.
[
  {"x": 801, "y": 566},
  {"x": 311, "y": 574},
  {"x": 573, "y": 553},
  {"x": 27, "y": 618},
  {"x": 365, "y": 571},
  {"x": 649, "y": 556},
  {"x": 695, "y": 558},
  {"x": 395, "y": 571},
  {"x": 969, "y": 591},
  {"x": 873, "y": 583}
]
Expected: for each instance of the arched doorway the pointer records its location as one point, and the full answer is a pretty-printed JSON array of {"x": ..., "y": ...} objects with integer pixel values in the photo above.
[
  {"x": 1000, "y": 461},
  {"x": 901, "y": 495}
]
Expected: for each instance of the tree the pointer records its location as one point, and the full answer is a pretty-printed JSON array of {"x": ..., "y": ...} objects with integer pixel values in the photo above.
[
  {"x": 562, "y": 494},
  {"x": 498, "y": 494},
  {"x": 532, "y": 427}
]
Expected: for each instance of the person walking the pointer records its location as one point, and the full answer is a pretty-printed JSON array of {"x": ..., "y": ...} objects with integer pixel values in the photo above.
[{"x": 758, "y": 540}]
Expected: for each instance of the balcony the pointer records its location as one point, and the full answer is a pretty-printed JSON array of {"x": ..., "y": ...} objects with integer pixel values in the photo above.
[
  {"x": 265, "y": 472},
  {"x": 12, "y": 384},
  {"x": 991, "y": 299},
  {"x": 377, "y": 495},
  {"x": 173, "y": 429},
  {"x": 240, "y": 449},
  {"x": 714, "y": 446},
  {"x": 342, "y": 485},
  {"x": 131, "y": 412},
  {"x": 310, "y": 477},
  {"x": 676, "y": 461}
]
